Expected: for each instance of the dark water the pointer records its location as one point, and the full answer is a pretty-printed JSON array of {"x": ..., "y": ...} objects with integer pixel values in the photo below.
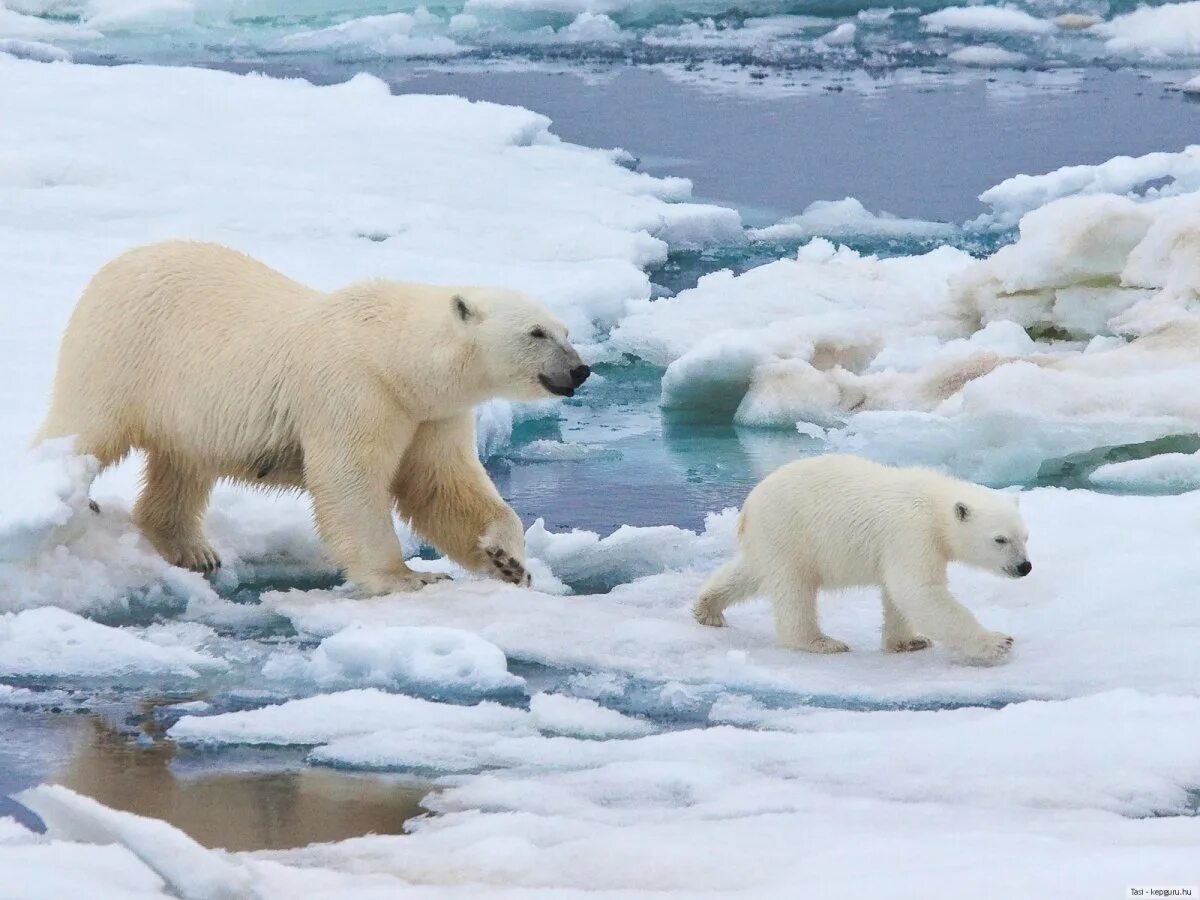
[{"x": 923, "y": 151}]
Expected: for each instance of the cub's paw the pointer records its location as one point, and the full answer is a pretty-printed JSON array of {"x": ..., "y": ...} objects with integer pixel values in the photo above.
[
  {"x": 988, "y": 647},
  {"x": 825, "y": 644},
  {"x": 199, "y": 557},
  {"x": 706, "y": 616},
  {"x": 908, "y": 645},
  {"x": 507, "y": 567}
]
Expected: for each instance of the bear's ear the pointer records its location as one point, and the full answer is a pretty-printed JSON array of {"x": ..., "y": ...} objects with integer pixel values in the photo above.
[
  {"x": 961, "y": 512},
  {"x": 463, "y": 309}
]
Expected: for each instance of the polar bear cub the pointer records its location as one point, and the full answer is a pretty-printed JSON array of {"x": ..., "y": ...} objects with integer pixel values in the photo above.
[{"x": 840, "y": 521}]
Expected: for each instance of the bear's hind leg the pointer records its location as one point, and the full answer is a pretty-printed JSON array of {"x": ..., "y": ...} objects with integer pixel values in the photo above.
[
  {"x": 730, "y": 584},
  {"x": 898, "y": 634},
  {"x": 796, "y": 625},
  {"x": 170, "y": 511}
]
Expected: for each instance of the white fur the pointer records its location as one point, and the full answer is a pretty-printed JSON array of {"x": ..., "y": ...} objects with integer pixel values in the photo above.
[
  {"x": 220, "y": 367},
  {"x": 839, "y": 521}
]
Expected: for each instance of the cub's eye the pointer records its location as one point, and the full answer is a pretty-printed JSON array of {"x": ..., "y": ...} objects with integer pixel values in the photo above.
[
  {"x": 537, "y": 333},
  {"x": 1001, "y": 540}
]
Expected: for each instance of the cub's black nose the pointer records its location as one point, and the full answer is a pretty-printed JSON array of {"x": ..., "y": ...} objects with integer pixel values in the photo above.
[
  {"x": 580, "y": 374},
  {"x": 1024, "y": 568}
]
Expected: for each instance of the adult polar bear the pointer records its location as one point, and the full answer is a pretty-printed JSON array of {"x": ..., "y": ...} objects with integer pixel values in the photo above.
[
  {"x": 220, "y": 367},
  {"x": 840, "y": 521}
]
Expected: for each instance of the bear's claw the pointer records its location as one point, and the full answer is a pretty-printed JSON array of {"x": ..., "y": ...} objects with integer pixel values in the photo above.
[
  {"x": 826, "y": 644},
  {"x": 989, "y": 647},
  {"x": 706, "y": 616},
  {"x": 508, "y": 567},
  {"x": 909, "y": 645},
  {"x": 199, "y": 558}
]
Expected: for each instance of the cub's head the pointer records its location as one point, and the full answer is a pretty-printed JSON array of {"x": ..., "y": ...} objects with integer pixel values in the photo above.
[
  {"x": 524, "y": 351},
  {"x": 987, "y": 531}
]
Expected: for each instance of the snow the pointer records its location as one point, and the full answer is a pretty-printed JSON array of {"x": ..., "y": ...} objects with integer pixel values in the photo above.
[
  {"x": 392, "y": 35},
  {"x": 987, "y": 56},
  {"x": 836, "y": 219},
  {"x": 841, "y": 36},
  {"x": 325, "y": 717},
  {"x": 447, "y": 658},
  {"x": 589, "y": 27},
  {"x": 188, "y": 870},
  {"x": 985, "y": 20},
  {"x": 1172, "y": 29},
  {"x": 120, "y": 15},
  {"x": 370, "y": 729},
  {"x": 581, "y": 717},
  {"x": 50, "y": 642},
  {"x": 1164, "y": 472},
  {"x": 35, "y": 50},
  {"x": 1164, "y": 173}
]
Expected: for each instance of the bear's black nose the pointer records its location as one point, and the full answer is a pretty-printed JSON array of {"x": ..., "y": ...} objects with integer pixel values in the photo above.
[
  {"x": 580, "y": 374},
  {"x": 1024, "y": 568}
]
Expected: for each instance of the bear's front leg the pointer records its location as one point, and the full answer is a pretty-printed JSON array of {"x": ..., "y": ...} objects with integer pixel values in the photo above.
[
  {"x": 352, "y": 507},
  {"x": 932, "y": 608},
  {"x": 444, "y": 491}
]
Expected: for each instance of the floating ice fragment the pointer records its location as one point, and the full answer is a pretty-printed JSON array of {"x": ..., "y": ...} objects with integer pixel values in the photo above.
[{"x": 192, "y": 872}]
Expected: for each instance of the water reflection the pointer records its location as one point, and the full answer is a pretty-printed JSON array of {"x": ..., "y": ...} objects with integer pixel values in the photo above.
[{"x": 237, "y": 810}]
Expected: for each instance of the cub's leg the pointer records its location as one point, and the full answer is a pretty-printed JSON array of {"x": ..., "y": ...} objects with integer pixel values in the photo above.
[
  {"x": 931, "y": 607},
  {"x": 730, "y": 584},
  {"x": 170, "y": 511},
  {"x": 898, "y": 635},
  {"x": 796, "y": 625}
]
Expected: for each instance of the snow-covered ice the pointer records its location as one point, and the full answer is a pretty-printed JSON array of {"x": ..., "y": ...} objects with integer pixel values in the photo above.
[
  {"x": 1164, "y": 30},
  {"x": 986, "y": 20},
  {"x": 588, "y": 736},
  {"x": 987, "y": 56},
  {"x": 53, "y": 642},
  {"x": 400, "y": 657}
]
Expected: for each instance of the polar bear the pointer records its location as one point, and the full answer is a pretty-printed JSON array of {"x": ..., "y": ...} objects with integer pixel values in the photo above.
[
  {"x": 841, "y": 521},
  {"x": 220, "y": 367}
]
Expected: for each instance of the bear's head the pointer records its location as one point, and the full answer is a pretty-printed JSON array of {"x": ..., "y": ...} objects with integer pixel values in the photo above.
[
  {"x": 986, "y": 531},
  {"x": 524, "y": 351}
]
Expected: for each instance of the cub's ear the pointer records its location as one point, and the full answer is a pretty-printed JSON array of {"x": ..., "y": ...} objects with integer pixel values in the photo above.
[
  {"x": 961, "y": 512},
  {"x": 463, "y": 309}
]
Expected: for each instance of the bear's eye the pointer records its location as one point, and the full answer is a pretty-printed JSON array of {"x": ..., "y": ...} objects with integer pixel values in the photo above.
[
  {"x": 1002, "y": 540},
  {"x": 537, "y": 333}
]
